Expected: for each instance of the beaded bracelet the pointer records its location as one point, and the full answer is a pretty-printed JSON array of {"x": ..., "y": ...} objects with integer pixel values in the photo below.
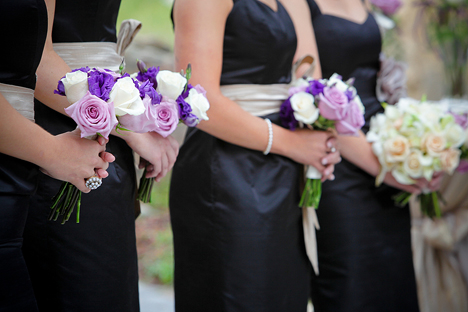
[{"x": 270, "y": 137}]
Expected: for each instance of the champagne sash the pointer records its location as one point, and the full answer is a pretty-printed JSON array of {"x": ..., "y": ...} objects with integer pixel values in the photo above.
[
  {"x": 22, "y": 99},
  {"x": 108, "y": 55},
  {"x": 261, "y": 100}
]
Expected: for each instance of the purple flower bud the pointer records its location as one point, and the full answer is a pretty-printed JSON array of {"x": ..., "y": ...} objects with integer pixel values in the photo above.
[{"x": 141, "y": 66}]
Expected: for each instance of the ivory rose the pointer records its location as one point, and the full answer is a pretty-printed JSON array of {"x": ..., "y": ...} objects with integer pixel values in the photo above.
[
  {"x": 450, "y": 160},
  {"x": 396, "y": 149},
  {"x": 433, "y": 144},
  {"x": 304, "y": 109},
  {"x": 170, "y": 84},
  {"x": 76, "y": 85},
  {"x": 126, "y": 98}
]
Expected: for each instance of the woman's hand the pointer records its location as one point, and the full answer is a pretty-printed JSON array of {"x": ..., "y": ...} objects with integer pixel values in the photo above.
[
  {"x": 157, "y": 154},
  {"x": 74, "y": 159},
  {"x": 314, "y": 148}
]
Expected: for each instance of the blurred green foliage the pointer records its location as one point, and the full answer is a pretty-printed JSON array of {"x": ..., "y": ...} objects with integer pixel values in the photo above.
[{"x": 155, "y": 16}]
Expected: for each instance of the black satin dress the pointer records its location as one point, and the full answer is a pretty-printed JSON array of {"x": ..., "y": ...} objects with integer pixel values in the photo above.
[
  {"x": 90, "y": 266},
  {"x": 24, "y": 29},
  {"x": 364, "y": 244},
  {"x": 238, "y": 241}
]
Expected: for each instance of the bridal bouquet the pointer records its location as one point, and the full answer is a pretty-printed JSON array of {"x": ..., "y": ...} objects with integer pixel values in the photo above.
[
  {"x": 98, "y": 97},
  {"x": 322, "y": 105},
  {"x": 412, "y": 140},
  {"x": 168, "y": 99}
]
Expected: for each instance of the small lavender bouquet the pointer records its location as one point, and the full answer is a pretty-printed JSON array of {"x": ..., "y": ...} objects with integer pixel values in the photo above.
[
  {"x": 168, "y": 99},
  {"x": 326, "y": 104},
  {"x": 98, "y": 97}
]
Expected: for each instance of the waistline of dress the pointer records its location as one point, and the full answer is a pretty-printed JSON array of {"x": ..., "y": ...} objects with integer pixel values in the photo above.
[
  {"x": 21, "y": 98},
  {"x": 91, "y": 54},
  {"x": 107, "y": 55},
  {"x": 258, "y": 100}
]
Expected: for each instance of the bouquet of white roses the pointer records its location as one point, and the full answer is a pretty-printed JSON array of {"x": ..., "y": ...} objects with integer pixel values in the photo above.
[
  {"x": 168, "y": 99},
  {"x": 323, "y": 104},
  {"x": 413, "y": 140}
]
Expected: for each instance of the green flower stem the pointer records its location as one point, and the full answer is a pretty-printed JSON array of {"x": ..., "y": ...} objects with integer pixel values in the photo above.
[
  {"x": 146, "y": 188},
  {"x": 64, "y": 203},
  {"x": 311, "y": 194}
]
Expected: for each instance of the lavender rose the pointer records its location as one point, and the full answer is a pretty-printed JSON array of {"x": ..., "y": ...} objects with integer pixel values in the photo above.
[
  {"x": 161, "y": 118},
  {"x": 93, "y": 115},
  {"x": 353, "y": 121},
  {"x": 333, "y": 103},
  {"x": 388, "y": 7}
]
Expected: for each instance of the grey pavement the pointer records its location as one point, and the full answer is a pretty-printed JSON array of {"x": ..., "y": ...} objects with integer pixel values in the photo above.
[{"x": 156, "y": 298}]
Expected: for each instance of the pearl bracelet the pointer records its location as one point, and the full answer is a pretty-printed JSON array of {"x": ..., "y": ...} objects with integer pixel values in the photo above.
[{"x": 270, "y": 137}]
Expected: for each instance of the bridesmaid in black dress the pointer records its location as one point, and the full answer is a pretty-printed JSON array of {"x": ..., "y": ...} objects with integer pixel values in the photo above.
[
  {"x": 364, "y": 244},
  {"x": 90, "y": 266},
  {"x": 24, "y": 145},
  {"x": 238, "y": 241}
]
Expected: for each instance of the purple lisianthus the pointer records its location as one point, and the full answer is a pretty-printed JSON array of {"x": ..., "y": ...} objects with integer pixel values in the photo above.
[
  {"x": 108, "y": 71},
  {"x": 287, "y": 115},
  {"x": 93, "y": 115},
  {"x": 461, "y": 119},
  {"x": 352, "y": 121},
  {"x": 315, "y": 87},
  {"x": 146, "y": 88},
  {"x": 185, "y": 110},
  {"x": 60, "y": 89},
  {"x": 100, "y": 84},
  {"x": 333, "y": 103},
  {"x": 148, "y": 74}
]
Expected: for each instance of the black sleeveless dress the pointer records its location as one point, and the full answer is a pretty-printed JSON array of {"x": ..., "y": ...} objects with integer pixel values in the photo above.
[
  {"x": 24, "y": 29},
  {"x": 237, "y": 227},
  {"x": 90, "y": 266},
  {"x": 364, "y": 244}
]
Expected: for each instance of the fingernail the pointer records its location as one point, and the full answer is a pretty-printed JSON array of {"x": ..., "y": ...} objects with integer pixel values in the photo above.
[
  {"x": 329, "y": 144},
  {"x": 324, "y": 161},
  {"x": 332, "y": 178}
]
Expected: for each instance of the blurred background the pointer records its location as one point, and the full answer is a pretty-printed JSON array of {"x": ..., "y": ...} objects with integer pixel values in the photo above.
[{"x": 430, "y": 36}]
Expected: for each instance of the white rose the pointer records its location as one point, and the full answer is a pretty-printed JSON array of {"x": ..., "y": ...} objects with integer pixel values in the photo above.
[
  {"x": 170, "y": 84},
  {"x": 392, "y": 112},
  {"x": 126, "y": 98},
  {"x": 301, "y": 82},
  {"x": 358, "y": 101},
  {"x": 76, "y": 85},
  {"x": 455, "y": 135},
  {"x": 450, "y": 159},
  {"x": 199, "y": 104},
  {"x": 396, "y": 149},
  {"x": 304, "y": 109},
  {"x": 339, "y": 84},
  {"x": 434, "y": 144}
]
